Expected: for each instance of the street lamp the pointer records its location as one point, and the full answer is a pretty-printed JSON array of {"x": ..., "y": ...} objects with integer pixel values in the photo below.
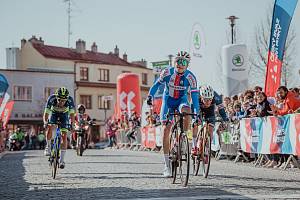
[
  {"x": 170, "y": 59},
  {"x": 232, "y": 23}
]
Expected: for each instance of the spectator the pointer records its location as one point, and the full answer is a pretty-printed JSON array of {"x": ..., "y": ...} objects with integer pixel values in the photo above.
[
  {"x": 263, "y": 106},
  {"x": 239, "y": 114},
  {"x": 111, "y": 133},
  {"x": 290, "y": 102},
  {"x": 130, "y": 134},
  {"x": 27, "y": 141},
  {"x": 33, "y": 138},
  {"x": 42, "y": 140}
]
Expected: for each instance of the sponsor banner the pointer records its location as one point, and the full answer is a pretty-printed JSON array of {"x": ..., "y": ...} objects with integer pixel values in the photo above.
[
  {"x": 5, "y": 116},
  {"x": 235, "y": 68},
  {"x": 282, "y": 15},
  {"x": 272, "y": 135},
  {"x": 159, "y": 66}
]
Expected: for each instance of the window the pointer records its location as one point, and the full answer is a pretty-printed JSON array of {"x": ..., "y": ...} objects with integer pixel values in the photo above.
[
  {"x": 86, "y": 100},
  {"x": 103, "y": 104},
  {"x": 84, "y": 73},
  {"x": 144, "y": 78},
  {"x": 48, "y": 91},
  {"x": 104, "y": 75},
  {"x": 22, "y": 93}
]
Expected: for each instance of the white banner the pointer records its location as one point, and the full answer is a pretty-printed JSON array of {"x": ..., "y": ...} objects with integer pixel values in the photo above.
[
  {"x": 197, "y": 51},
  {"x": 235, "y": 68}
]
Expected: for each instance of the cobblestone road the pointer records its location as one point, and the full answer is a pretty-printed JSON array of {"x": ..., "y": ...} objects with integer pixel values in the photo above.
[{"x": 121, "y": 174}]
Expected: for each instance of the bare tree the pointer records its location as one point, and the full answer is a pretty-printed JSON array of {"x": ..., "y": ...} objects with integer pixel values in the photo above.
[{"x": 259, "y": 53}]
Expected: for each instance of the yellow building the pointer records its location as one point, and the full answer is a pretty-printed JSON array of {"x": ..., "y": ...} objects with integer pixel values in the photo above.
[{"x": 95, "y": 72}]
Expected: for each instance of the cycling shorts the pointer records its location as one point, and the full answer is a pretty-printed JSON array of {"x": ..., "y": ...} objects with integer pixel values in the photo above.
[
  {"x": 64, "y": 120},
  {"x": 171, "y": 105}
]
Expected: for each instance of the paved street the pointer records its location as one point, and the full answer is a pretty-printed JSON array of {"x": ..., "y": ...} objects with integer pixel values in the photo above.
[{"x": 120, "y": 174}]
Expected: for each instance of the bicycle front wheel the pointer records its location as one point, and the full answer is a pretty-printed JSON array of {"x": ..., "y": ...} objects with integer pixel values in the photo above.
[
  {"x": 55, "y": 164},
  {"x": 197, "y": 158},
  {"x": 206, "y": 154},
  {"x": 173, "y": 155},
  {"x": 184, "y": 159}
]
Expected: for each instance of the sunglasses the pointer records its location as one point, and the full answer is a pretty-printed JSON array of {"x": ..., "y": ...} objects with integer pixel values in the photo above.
[
  {"x": 61, "y": 100},
  {"x": 207, "y": 100},
  {"x": 182, "y": 62}
]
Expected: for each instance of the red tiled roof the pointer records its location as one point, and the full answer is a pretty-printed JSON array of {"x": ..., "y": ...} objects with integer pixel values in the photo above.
[{"x": 71, "y": 54}]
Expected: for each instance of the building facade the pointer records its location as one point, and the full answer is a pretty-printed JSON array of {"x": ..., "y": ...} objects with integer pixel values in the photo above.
[
  {"x": 30, "y": 91},
  {"x": 95, "y": 73}
]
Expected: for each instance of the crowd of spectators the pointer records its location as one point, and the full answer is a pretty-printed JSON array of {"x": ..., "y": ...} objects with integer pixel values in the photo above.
[
  {"x": 255, "y": 103},
  {"x": 130, "y": 123}
]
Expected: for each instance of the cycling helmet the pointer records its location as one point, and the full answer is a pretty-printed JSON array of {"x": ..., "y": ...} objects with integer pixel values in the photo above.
[
  {"x": 206, "y": 91},
  {"x": 62, "y": 93},
  {"x": 183, "y": 55},
  {"x": 80, "y": 106}
]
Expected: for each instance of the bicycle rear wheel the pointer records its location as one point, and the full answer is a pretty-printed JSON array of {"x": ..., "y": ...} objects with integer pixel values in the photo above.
[
  {"x": 184, "y": 159},
  {"x": 206, "y": 154}
]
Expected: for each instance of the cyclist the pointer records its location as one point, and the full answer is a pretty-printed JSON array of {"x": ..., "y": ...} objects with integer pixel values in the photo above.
[
  {"x": 178, "y": 81},
  {"x": 80, "y": 116},
  {"x": 209, "y": 100},
  {"x": 59, "y": 105}
]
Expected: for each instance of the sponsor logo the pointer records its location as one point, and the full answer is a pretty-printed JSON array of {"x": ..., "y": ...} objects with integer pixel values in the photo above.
[
  {"x": 192, "y": 81},
  {"x": 238, "y": 60},
  {"x": 196, "y": 39}
]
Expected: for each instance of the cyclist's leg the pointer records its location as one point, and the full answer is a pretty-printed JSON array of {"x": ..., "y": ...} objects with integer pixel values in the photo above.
[
  {"x": 185, "y": 107},
  {"x": 211, "y": 124},
  {"x": 64, "y": 132},
  {"x": 49, "y": 130},
  {"x": 166, "y": 135}
]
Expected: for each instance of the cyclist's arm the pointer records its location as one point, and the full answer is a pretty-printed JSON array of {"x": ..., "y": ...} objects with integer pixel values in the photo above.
[
  {"x": 161, "y": 80},
  {"x": 221, "y": 108},
  {"x": 47, "y": 110},
  {"x": 194, "y": 92},
  {"x": 72, "y": 110}
]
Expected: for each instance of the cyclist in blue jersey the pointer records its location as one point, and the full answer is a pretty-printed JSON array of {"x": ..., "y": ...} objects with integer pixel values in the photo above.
[
  {"x": 179, "y": 82},
  {"x": 209, "y": 100},
  {"x": 59, "y": 106}
]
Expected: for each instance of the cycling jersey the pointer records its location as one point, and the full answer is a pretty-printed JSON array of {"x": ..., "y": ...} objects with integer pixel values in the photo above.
[
  {"x": 177, "y": 87},
  {"x": 52, "y": 105},
  {"x": 61, "y": 113},
  {"x": 208, "y": 113}
]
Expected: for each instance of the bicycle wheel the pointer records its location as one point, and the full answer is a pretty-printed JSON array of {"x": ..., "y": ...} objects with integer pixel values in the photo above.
[
  {"x": 78, "y": 142},
  {"x": 206, "y": 153},
  {"x": 197, "y": 158},
  {"x": 184, "y": 159},
  {"x": 81, "y": 142},
  {"x": 172, "y": 154},
  {"x": 55, "y": 163}
]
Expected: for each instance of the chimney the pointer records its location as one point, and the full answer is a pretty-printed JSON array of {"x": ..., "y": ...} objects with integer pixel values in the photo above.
[
  {"x": 80, "y": 46},
  {"x": 23, "y": 42},
  {"x": 94, "y": 48},
  {"x": 34, "y": 40},
  {"x": 125, "y": 57},
  {"x": 116, "y": 52}
]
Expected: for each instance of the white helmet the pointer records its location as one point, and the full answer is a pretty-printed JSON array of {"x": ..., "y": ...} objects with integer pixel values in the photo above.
[
  {"x": 206, "y": 91},
  {"x": 183, "y": 55}
]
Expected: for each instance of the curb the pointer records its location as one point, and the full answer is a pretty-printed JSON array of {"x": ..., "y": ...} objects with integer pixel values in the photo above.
[{"x": 3, "y": 154}]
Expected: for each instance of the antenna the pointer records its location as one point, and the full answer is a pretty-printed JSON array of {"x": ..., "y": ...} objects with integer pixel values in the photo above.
[{"x": 69, "y": 10}]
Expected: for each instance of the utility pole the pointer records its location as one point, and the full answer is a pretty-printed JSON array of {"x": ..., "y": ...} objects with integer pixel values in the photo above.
[{"x": 232, "y": 23}]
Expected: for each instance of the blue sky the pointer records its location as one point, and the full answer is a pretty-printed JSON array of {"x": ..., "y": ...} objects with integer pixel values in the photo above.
[{"x": 141, "y": 28}]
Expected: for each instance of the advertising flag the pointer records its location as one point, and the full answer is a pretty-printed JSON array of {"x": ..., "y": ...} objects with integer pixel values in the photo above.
[{"x": 282, "y": 15}]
